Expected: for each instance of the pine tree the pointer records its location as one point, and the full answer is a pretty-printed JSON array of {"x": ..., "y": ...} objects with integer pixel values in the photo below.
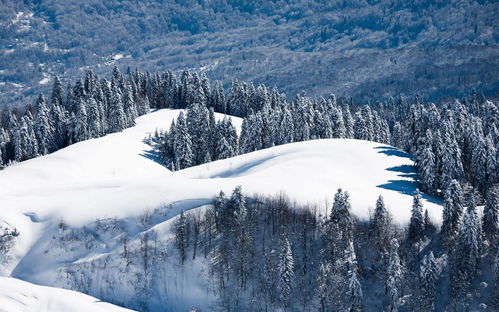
[
  {"x": 43, "y": 127},
  {"x": 116, "y": 115},
  {"x": 223, "y": 149},
  {"x": 380, "y": 225},
  {"x": 452, "y": 212},
  {"x": 285, "y": 268},
  {"x": 323, "y": 291},
  {"x": 425, "y": 161},
  {"x": 94, "y": 119},
  {"x": 393, "y": 284},
  {"x": 182, "y": 236},
  {"x": 57, "y": 97},
  {"x": 491, "y": 215},
  {"x": 129, "y": 106},
  {"x": 81, "y": 122},
  {"x": 354, "y": 293},
  {"x": 466, "y": 258},
  {"x": 182, "y": 144},
  {"x": 349, "y": 123},
  {"x": 428, "y": 277},
  {"x": 416, "y": 225}
]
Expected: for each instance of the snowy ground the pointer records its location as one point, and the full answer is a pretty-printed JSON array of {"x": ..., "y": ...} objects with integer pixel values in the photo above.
[
  {"x": 20, "y": 296},
  {"x": 115, "y": 176}
]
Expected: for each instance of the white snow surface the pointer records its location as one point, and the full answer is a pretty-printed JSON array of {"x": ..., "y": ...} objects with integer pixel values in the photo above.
[
  {"x": 117, "y": 176},
  {"x": 20, "y": 296}
]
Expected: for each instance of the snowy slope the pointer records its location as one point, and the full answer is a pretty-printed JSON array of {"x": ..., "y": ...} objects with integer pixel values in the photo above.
[
  {"x": 114, "y": 176},
  {"x": 20, "y": 296}
]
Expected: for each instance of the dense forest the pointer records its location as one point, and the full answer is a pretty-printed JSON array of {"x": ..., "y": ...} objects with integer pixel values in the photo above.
[{"x": 365, "y": 49}]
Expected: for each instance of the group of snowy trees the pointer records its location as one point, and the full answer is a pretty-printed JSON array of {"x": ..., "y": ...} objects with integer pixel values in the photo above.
[
  {"x": 458, "y": 140},
  {"x": 89, "y": 109},
  {"x": 267, "y": 254}
]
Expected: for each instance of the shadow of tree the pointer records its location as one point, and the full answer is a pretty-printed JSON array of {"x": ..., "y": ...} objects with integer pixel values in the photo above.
[
  {"x": 393, "y": 151},
  {"x": 154, "y": 156},
  {"x": 408, "y": 183}
]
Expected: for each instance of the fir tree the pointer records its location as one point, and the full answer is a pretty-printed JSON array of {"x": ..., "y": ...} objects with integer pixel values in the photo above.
[
  {"x": 116, "y": 115},
  {"x": 491, "y": 215},
  {"x": 182, "y": 144},
  {"x": 428, "y": 277},
  {"x": 416, "y": 225},
  {"x": 452, "y": 212},
  {"x": 354, "y": 293},
  {"x": 43, "y": 127},
  {"x": 393, "y": 284},
  {"x": 285, "y": 268},
  {"x": 182, "y": 236}
]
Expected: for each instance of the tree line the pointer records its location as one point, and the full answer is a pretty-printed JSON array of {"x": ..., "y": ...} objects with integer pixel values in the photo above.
[{"x": 456, "y": 139}]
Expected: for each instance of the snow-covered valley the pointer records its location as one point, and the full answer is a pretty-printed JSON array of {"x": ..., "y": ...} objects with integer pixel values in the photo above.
[{"x": 86, "y": 213}]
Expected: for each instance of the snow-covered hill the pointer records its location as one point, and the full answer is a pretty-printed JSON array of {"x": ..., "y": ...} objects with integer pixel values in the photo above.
[
  {"x": 115, "y": 177},
  {"x": 20, "y": 296}
]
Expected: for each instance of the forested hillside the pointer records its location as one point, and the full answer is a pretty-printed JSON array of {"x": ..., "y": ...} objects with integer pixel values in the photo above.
[{"x": 368, "y": 50}]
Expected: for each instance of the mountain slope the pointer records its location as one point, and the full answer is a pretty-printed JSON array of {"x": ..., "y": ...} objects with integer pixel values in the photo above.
[
  {"x": 364, "y": 49},
  {"x": 73, "y": 207}
]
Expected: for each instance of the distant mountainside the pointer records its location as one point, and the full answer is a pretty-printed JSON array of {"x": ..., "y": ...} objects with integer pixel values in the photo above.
[{"x": 356, "y": 48}]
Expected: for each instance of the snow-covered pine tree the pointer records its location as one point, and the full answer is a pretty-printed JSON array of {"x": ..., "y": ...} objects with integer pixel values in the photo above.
[
  {"x": 492, "y": 168},
  {"x": 349, "y": 123},
  {"x": 129, "y": 106},
  {"x": 285, "y": 268},
  {"x": 416, "y": 225},
  {"x": 43, "y": 127},
  {"x": 323, "y": 287},
  {"x": 393, "y": 283},
  {"x": 116, "y": 115},
  {"x": 182, "y": 236},
  {"x": 182, "y": 145},
  {"x": 57, "y": 97},
  {"x": 491, "y": 215},
  {"x": 452, "y": 167},
  {"x": 380, "y": 226},
  {"x": 425, "y": 162},
  {"x": 452, "y": 212},
  {"x": 429, "y": 274},
  {"x": 466, "y": 258},
  {"x": 223, "y": 149},
  {"x": 354, "y": 293},
  {"x": 81, "y": 122},
  {"x": 59, "y": 119},
  {"x": 94, "y": 119}
]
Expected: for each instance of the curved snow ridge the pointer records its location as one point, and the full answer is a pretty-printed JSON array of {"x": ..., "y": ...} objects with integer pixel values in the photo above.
[
  {"x": 311, "y": 172},
  {"x": 20, "y": 296}
]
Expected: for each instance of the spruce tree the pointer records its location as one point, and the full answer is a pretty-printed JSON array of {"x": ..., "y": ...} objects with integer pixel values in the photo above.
[
  {"x": 94, "y": 119},
  {"x": 43, "y": 127},
  {"x": 452, "y": 212},
  {"x": 182, "y": 236},
  {"x": 393, "y": 284},
  {"x": 182, "y": 144},
  {"x": 416, "y": 225},
  {"x": 285, "y": 268},
  {"x": 116, "y": 114},
  {"x": 81, "y": 122},
  {"x": 429, "y": 277},
  {"x": 491, "y": 215},
  {"x": 354, "y": 293}
]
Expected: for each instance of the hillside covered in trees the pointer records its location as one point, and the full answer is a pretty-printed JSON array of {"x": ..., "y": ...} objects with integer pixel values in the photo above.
[{"x": 369, "y": 50}]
